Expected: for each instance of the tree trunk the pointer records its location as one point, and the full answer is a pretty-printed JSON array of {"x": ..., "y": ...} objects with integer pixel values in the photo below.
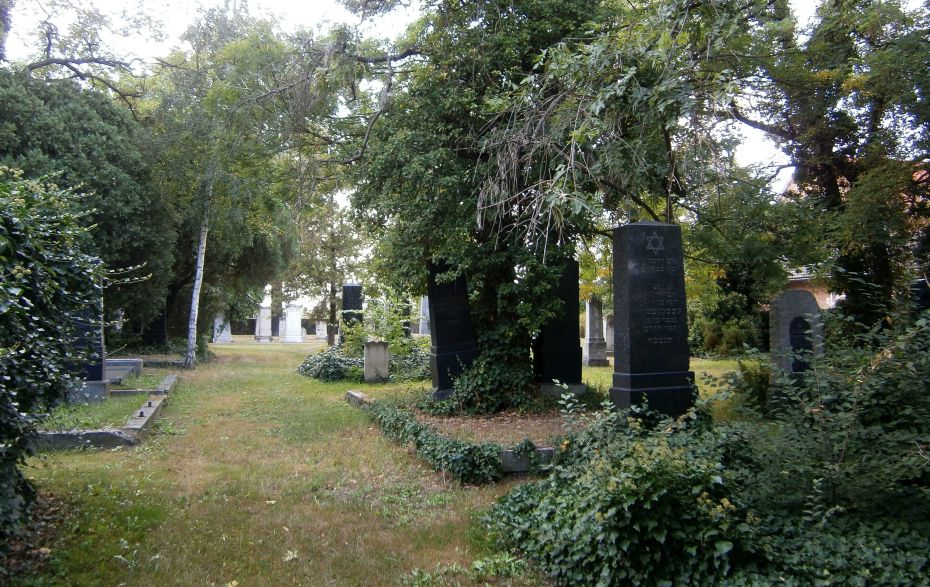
[{"x": 191, "y": 355}]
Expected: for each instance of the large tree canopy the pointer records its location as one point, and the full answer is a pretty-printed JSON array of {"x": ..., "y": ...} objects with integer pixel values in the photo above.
[{"x": 81, "y": 139}]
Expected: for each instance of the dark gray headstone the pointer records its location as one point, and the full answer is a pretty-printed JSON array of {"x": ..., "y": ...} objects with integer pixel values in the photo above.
[
  {"x": 352, "y": 303},
  {"x": 90, "y": 341},
  {"x": 454, "y": 347},
  {"x": 651, "y": 359},
  {"x": 795, "y": 331},
  {"x": 556, "y": 352}
]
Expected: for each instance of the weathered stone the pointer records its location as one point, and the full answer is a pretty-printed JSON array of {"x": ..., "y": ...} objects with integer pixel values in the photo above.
[
  {"x": 321, "y": 330},
  {"x": 609, "y": 333},
  {"x": 651, "y": 359},
  {"x": 292, "y": 330},
  {"x": 795, "y": 331},
  {"x": 556, "y": 352},
  {"x": 93, "y": 370},
  {"x": 222, "y": 330},
  {"x": 594, "y": 350},
  {"x": 454, "y": 347},
  {"x": 424, "y": 315},
  {"x": 263, "y": 330},
  {"x": 376, "y": 361}
]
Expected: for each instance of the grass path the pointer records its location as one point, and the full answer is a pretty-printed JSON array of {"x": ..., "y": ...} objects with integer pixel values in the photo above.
[{"x": 257, "y": 476}]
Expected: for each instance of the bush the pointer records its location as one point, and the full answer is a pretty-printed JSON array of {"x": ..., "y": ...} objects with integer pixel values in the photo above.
[
  {"x": 831, "y": 488},
  {"x": 625, "y": 505},
  {"x": 48, "y": 282},
  {"x": 331, "y": 365}
]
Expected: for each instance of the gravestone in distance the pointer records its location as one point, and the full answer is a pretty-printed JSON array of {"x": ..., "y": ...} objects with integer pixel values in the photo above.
[
  {"x": 609, "y": 333},
  {"x": 453, "y": 347},
  {"x": 222, "y": 329},
  {"x": 352, "y": 303},
  {"x": 651, "y": 359},
  {"x": 90, "y": 339},
  {"x": 263, "y": 324},
  {"x": 424, "y": 315},
  {"x": 920, "y": 295},
  {"x": 376, "y": 361},
  {"x": 595, "y": 347},
  {"x": 321, "y": 330},
  {"x": 292, "y": 332},
  {"x": 795, "y": 331},
  {"x": 556, "y": 352}
]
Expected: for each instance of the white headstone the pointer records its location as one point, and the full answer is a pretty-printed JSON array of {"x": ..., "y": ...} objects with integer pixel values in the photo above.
[
  {"x": 609, "y": 333},
  {"x": 424, "y": 315},
  {"x": 292, "y": 331},
  {"x": 376, "y": 361},
  {"x": 222, "y": 331},
  {"x": 321, "y": 330},
  {"x": 263, "y": 324}
]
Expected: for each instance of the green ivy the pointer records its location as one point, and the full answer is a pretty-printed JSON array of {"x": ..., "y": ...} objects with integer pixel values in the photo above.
[
  {"x": 47, "y": 283},
  {"x": 469, "y": 462}
]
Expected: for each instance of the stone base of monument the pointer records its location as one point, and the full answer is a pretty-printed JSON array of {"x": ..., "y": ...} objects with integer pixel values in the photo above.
[
  {"x": 446, "y": 366},
  {"x": 672, "y": 394},
  {"x": 595, "y": 353},
  {"x": 558, "y": 390},
  {"x": 264, "y": 339},
  {"x": 92, "y": 391}
]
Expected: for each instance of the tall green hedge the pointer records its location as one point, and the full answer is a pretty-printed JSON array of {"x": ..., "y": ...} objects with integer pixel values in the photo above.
[{"x": 46, "y": 281}]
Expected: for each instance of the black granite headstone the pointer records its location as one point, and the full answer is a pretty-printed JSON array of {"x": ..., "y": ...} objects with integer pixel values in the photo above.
[
  {"x": 556, "y": 352},
  {"x": 651, "y": 359},
  {"x": 453, "y": 337},
  {"x": 799, "y": 337},
  {"x": 89, "y": 344},
  {"x": 352, "y": 303},
  {"x": 920, "y": 294}
]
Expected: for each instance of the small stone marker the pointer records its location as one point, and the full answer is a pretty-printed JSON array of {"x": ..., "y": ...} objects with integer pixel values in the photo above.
[
  {"x": 795, "y": 331},
  {"x": 352, "y": 303},
  {"x": 595, "y": 347},
  {"x": 263, "y": 324},
  {"x": 651, "y": 359},
  {"x": 376, "y": 361},
  {"x": 453, "y": 337},
  {"x": 321, "y": 330},
  {"x": 292, "y": 331},
  {"x": 556, "y": 352},
  {"x": 222, "y": 331}
]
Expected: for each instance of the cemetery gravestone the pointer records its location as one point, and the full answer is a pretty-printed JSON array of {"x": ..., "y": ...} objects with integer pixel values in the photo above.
[
  {"x": 795, "y": 331},
  {"x": 376, "y": 362},
  {"x": 222, "y": 330},
  {"x": 263, "y": 324},
  {"x": 321, "y": 330},
  {"x": 920, "y": 294},
  {"x": 424, "y": 315},
  {"x": 651, "y": 359},
  {"x": 454, "y": 347},
  {"x": 609, "y": 333},
  {"x": 556, "y": 352},
  {"x": 595, "y": 347},
  {"x": 352, "y": 303},
  {"x": 292, "y": 331},
  {"x": 92, "y": 371}
]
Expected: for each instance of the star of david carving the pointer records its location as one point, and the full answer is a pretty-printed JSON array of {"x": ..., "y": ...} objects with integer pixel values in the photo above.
[{"x": 655, "y": 243}]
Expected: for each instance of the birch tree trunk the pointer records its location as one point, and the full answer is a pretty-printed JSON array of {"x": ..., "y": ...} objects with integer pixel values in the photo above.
[{"x": 191, "y": 355}]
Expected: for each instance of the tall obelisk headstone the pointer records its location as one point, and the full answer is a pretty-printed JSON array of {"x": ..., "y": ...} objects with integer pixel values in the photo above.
[
  {"x": 651, "y": 359},
  {"x": 556, "y": 352},
  {"x": 453, "y": 345}
]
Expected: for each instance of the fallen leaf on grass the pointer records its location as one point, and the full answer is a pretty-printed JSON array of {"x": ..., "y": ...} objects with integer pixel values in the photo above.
[{"x": 289, "y": 556}]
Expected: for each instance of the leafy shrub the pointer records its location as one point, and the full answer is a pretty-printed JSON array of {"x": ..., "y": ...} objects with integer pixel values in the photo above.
[
  {"x": 331, "y": 364},
  {"x": 625, "y": 505},
  {"x": 48, "y": 282},
  {"x": 468, "y": 462}
]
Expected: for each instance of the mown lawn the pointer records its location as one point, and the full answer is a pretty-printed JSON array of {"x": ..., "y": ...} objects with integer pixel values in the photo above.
[{"x": 258, "y": 476}]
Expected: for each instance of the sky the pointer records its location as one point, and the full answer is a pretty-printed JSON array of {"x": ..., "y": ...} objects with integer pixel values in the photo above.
[{"x": 293, "y": 14}]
